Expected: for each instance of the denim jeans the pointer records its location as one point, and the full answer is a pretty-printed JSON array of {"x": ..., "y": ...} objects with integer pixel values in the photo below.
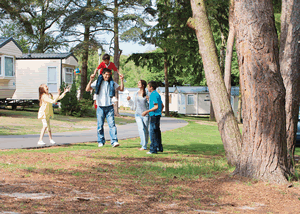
[
  {"x": 108, "y": 113},
  {"x": 111, "y": 85},
  {"x": 155, "y": 134},
  {"x": 143, "y": 127}
]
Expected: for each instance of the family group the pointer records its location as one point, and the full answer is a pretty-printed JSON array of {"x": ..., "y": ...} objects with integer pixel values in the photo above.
[{"x": 146, "y": 102}]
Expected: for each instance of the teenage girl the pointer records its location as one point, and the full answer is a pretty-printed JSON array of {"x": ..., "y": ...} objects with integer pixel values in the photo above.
[
  {"x": 46, "y": 110},
  {"x": 140, "y": 104}
]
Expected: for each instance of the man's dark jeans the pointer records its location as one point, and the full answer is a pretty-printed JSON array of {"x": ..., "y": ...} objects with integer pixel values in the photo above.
[
  {"x": 155, "y": 134},
  {"x": 111, "y": 85}
]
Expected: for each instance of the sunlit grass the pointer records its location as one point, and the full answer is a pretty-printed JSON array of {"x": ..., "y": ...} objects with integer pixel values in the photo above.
[{"x": 20, "y": 122}]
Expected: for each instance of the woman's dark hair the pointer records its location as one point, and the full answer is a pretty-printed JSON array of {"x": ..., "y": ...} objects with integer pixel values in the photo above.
[
  {"x": 152, "y": 84},
  {"x": 144, "y": 84},
  {"x": 105, "y": 56}
]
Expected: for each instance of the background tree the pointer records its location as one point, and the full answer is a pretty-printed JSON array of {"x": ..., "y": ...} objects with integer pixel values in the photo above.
[
  {"x": 289, "y": 69},
  {"x": 226, "y": 120},
  {"x": 37, "y": 20},
  {"x": 264, "y": 153},
  {"x": 178, "y": 58},
  {"x": 84, "y": 20},
  {"x": 129, "y": 21}
]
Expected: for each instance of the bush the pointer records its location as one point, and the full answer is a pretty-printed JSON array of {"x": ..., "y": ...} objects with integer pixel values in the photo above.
[
  {"x": 85, "y": 108},
  {"x": 69, "y": 103},
  {"x": 174, "y": 114}
]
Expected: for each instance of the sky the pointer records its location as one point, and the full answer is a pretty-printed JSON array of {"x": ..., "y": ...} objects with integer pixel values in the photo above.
[{"x": 129, "y": 48}]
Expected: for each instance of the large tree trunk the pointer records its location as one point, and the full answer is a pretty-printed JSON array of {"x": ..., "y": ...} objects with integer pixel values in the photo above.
[
  {"x": 222, "y": 51},
  {"x": 264, "y": 150},
  {"x": 116, "y": 53},
  {"x": 290, "y": 69},
  {"x": 212, "y": 116},
  {"x": 166, "y": 86},
  {"x": 226, "y": 120},
  {"x": 229, "y": 49},
  {"x": 239, "y": 112},
  {"x": 85, "y": 56}
]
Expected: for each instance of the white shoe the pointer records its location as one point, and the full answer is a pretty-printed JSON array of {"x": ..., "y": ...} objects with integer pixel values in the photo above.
[
  {"x": 150, "y": 153},
  {"x": 100, "y": 144},
  {"x": 41, "y": 143},
  {"x": 116, "y": 144},
  {"x": 52, "y": 142}
]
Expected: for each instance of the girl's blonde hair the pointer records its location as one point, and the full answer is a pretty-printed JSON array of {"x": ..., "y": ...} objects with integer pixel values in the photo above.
[{"x": 41, "y": 92}]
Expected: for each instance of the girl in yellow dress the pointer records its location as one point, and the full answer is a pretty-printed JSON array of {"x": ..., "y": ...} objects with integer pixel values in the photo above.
[{"x": 46, "y": 110}]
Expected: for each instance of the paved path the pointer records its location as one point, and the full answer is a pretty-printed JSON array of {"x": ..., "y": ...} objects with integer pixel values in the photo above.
[{"x": 124, "y": 132}]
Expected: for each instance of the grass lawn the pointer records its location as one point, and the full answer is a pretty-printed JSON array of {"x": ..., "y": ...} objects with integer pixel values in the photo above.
[
  {"x": 20, "y": 122},
  {"x": 190, "y": 176}
]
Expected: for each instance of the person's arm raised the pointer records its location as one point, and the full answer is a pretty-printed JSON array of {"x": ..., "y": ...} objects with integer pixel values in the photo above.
[
  {"x": 88, "y": 87},
  {"x": 121, "y": 87}
]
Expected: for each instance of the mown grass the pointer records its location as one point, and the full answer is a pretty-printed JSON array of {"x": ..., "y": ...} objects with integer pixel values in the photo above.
[
  {"x": 20, "y": 122},
  {"x": 192, "y": 151}
]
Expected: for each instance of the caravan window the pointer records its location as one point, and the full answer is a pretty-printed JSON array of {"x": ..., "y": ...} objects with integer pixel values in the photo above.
[
  {"x": 190, "y": 99},
  {"x": 9, "y": 66},
  {"x": 69, "y": 75},
  {"x": 52, "y": 79}
]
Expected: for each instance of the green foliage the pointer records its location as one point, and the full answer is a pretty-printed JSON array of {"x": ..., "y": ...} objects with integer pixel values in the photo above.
[
  {"x": 278, "y": 23},
  {"x": 36, "y": 20},
  {"x": 174, "y": 114},
  {"x": 84, "y": 108},
  {"x": 9, "y": 30},
  {"x": 92, "y": 64},
  {"x": 69, "y": 104},
  {"x": 78, "y": 108},
  {"x": 177, "y": 42}
]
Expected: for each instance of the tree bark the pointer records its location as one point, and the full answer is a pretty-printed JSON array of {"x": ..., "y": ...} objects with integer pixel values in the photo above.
[
  {"x": 229, "y": 49},
  {"x": 166, "y": 86},
  {"x": 239, "y": 112},
  {"x": 116, "y": 53},
  {"x": 264, "y": 151},
  {"x": 85, "y": 56},
  {"x": 289, "y": 68},
  {"x": 222, "y": 52},
  {"x": 226, "y": 120},
  {"x": 212, "y": 116}
]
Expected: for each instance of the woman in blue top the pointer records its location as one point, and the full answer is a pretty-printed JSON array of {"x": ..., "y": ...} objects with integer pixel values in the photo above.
[{"x": 140, "y": 104}]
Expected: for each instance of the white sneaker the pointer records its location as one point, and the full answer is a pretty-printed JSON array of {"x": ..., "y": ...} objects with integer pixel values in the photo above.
[
  {"x": 52, "y": 142},
  {"x": 100, "y": 144},
  {"x": 149, "y": 153},
  {"x": 41, "y": 143},
  {"x": 116, "y": 144}
]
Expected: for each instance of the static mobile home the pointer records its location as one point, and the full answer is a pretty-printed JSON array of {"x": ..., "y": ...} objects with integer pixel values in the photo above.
[
  {"x": 9, "y": 50},
  {"x": 173, "y": 97},
  {"x": 124, "y": 94},
  {"x": 196, "y": 99},
  {"x": 34, "y": 69}
]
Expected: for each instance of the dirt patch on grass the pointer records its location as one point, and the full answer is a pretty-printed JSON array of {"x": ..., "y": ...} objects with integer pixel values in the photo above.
[{"x": 87, "y": 182}]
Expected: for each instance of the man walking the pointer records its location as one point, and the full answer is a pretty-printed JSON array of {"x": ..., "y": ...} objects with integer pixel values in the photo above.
[{"x": 105, "y": 107}]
